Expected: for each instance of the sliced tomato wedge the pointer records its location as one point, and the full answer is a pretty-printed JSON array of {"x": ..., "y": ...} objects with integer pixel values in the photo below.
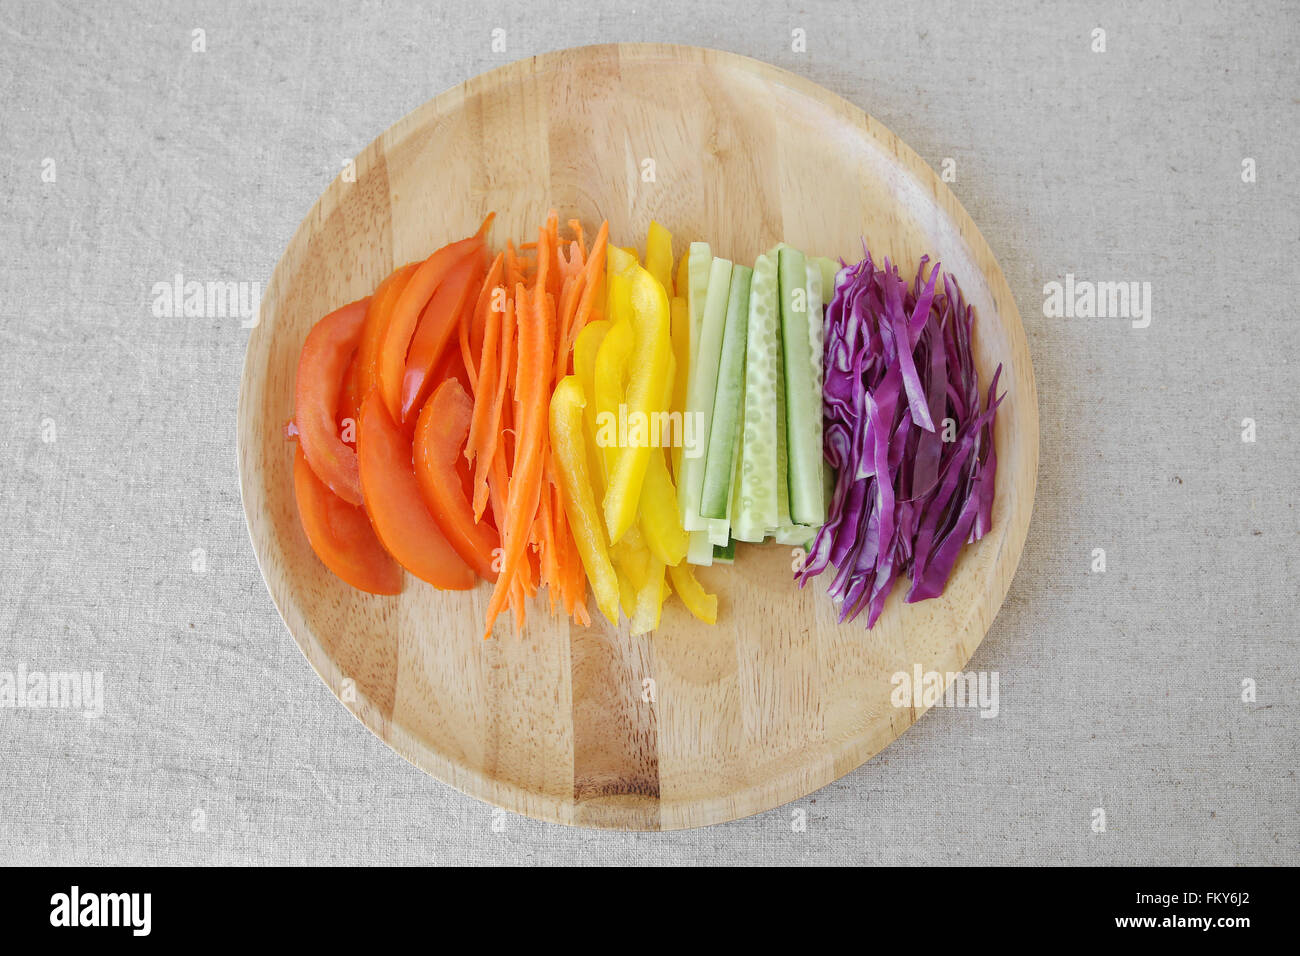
[
  {"x": 324, "y": 359},
  {"x": 439, "y": 322},
  {"x": 341, "y": 534},
  {"x": 396, "y": 508},
  {"x": 440, "y": 435}
]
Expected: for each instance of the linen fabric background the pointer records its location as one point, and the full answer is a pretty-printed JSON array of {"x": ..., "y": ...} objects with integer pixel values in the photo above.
[{"x": 123, "y": 548}]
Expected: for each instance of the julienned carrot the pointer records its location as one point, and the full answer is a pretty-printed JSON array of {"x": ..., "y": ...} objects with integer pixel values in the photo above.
[
  {"x": 561, "y": 551},
  {"x": 469, "y": 355},
  {"x": 569, "y": 297},
  {"x": 581, "y": 279},
  {"x": 576, "y": 226},
  {"x": 486, "y": 425},
  {"x": 593, "y": 273},
  {"x": 513, "y": 352},
  {"x": 485, "y": 380},
  {"x": 542, "y": 541},
  {"x": 492, "y": 451},
  {"x": 542, "y": 535},
  {"x": 516, "y": 267},
  {"x": 525, "y": 477},
  {"x": 550, "y": 249}
]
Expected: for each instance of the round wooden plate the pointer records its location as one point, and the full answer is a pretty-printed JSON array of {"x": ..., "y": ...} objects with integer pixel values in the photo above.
[{"x": 691, "y": 725}]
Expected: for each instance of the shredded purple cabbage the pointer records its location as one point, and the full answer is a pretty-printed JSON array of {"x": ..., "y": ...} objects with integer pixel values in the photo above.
[{"x": 898, "y": 363}]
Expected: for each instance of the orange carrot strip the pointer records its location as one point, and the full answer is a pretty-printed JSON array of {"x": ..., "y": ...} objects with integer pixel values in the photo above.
[
  {"x": 595, "y": 273},
  {"x": 544, "y": 533},
  {"x": 576, "y": 226},
  {"x": 485, "y": 433},
  {"x": 568, "y": 310},
  {"x": 487, "y": 355},
  {"x": 469, "y": 319},
  {"x": 514, "y": 266},
  {"x": 486, "y": 397},
  {"x": 551, "y": 251},
  {"x": 543, "y": 277},
  {"x": 564, "y": 547},
  {"x": 525, "y": 477}
]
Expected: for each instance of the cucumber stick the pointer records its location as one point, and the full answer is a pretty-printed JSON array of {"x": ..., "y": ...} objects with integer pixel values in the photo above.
[
  {"x": 737, "y": 468},
  {"x": 698, "y": 262},
  {"x": 795, "y": 535},
  {"x": 803, "y": 403},
  {"x": 700, "y": 549},
  {"x": 755, "y": 513},
  {"x": 829, "y": 269},
  {"x": 703, "y": 385},
  {"x": 816, "y": 335},
  {"x": 720, "y": 528},
  {"x": 724, "y": 427}
]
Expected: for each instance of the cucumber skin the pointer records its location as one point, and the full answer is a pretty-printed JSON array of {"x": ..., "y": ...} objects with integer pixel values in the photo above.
[
  {"x": 728, "y": 396},
  {"x": 803, "y": 459}
]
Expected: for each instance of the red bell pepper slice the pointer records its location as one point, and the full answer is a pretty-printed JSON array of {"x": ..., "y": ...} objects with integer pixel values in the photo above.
[
  {"x": 396, "y": 509},
  {"x": 341, "y": 534},
  {"x": 349, "y": 409},
  {"x": 325, "y": 357},
  {"x": 440, "y": 436},
  {"x": 438, "y": 323},
  {"x": 406, "y": 315},
  {"x": 366, "y": 365}
]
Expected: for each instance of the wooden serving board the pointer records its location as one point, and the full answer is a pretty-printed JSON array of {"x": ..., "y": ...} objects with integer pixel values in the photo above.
[{"x": 694, "y": 724}]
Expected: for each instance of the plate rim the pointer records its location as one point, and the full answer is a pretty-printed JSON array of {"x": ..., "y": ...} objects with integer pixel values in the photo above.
[{"x": 714, "y": 809}]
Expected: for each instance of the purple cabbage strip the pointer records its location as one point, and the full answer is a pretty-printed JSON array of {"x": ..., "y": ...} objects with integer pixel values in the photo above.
[{"x": 911, "y": 448}]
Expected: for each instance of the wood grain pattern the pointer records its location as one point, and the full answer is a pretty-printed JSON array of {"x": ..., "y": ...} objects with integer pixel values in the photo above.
[{"x": 692, "y": 725}]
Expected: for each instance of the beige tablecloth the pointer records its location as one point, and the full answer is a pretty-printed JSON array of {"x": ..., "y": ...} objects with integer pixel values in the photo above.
[{"x": 130, "y": 157}]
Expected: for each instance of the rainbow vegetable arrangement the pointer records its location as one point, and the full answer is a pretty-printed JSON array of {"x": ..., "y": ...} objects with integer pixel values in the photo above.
[{"x": 565, "y": 416}]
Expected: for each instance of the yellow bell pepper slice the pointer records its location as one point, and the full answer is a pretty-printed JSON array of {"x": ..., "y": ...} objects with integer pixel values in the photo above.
[
  {"x": 698, "y": 601},
  {"x": 683, "y": 275},
  {"x": 647, "y": 372},
  {"x": 649, "y": 600},
  {"x": 611, "y": 373},
  {"x": 568, "y": 448},
  {"x": 659, "y": 256},
  {"x": 617, "y": 261},
  {"x": 585, "y": 349},
  {"x": 627, "y": 594},
  {"x": 632, "y": 565},
  {"x": 660, "y": 521}
]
